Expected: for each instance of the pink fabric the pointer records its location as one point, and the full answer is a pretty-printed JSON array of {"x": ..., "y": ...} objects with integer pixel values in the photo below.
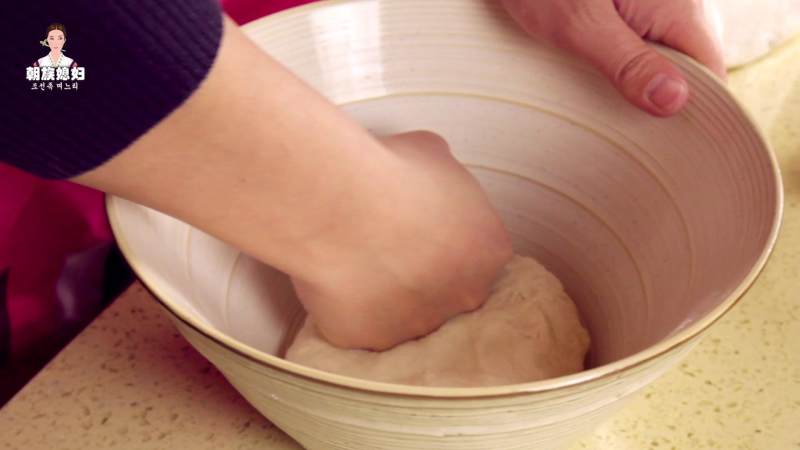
[
  {"x": 42, "y": 223},
  {"x": 243, "y": 11}
]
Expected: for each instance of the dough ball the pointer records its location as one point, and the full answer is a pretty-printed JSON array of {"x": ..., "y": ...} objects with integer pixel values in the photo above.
[{"x": 528, "y": 330}]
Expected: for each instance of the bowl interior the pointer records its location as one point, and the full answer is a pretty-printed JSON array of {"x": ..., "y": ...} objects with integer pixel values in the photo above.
[{"x": 651, "y": 224}]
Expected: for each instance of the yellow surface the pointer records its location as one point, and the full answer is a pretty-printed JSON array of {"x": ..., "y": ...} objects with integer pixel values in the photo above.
[
  {"x": 740, "y": 388},
  {"x": 129, "y": 381}
]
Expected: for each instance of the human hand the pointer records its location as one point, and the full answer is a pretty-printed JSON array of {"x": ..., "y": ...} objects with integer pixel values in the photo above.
[
  {"x": 611, "y": 35},
  {"x": 423, "y": 245},
  {"x": 384, "y": 240}
]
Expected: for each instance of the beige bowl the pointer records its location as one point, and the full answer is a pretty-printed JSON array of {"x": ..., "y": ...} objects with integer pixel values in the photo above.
[{"x": 655, "y": 226}]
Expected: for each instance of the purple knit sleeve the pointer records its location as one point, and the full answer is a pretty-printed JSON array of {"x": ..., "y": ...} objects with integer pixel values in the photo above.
[{"x": 126, "y": 65}]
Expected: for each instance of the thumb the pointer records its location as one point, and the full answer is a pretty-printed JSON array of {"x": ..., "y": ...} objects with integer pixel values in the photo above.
[{"x": 645, "y": 77}]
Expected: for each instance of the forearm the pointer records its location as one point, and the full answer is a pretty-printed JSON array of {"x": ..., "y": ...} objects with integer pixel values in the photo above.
[
  {"x": 254, "y": 157},
  {"x": 384, "y": 241}
]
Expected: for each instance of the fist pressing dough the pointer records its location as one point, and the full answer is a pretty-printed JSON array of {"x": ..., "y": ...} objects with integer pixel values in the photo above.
[{"x": 527, "y": 330}]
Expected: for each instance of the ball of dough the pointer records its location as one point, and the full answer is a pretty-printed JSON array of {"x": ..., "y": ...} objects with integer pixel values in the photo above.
[{"x": 527, "y": 330}]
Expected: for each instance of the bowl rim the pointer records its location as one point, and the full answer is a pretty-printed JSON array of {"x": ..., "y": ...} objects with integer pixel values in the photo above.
[{"x": 599, "y": 373}]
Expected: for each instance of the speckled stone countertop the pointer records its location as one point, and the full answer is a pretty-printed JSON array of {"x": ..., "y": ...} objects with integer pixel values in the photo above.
[{"x": 129, "y": 381}]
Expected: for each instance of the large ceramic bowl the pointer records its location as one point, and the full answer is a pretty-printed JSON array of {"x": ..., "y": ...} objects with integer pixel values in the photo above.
[{"x": 655, "y": 226}]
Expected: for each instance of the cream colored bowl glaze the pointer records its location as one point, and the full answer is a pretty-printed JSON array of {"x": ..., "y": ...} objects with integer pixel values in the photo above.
[{"x": 655, "y": 226}]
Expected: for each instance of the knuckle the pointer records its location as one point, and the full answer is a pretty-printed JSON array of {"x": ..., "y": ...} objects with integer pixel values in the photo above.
[{"x": 633, "y": 66}]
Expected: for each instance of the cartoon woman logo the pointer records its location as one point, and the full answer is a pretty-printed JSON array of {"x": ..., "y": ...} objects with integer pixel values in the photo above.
[{"x": 56, "y": 38}]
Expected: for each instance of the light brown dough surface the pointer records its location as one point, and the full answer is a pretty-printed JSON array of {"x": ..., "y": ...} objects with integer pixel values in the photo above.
[{"x": 528, "y": 330}]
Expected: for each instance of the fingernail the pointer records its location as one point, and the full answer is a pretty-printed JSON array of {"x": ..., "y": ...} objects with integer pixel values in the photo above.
[{"x": 666, "y": 93}]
